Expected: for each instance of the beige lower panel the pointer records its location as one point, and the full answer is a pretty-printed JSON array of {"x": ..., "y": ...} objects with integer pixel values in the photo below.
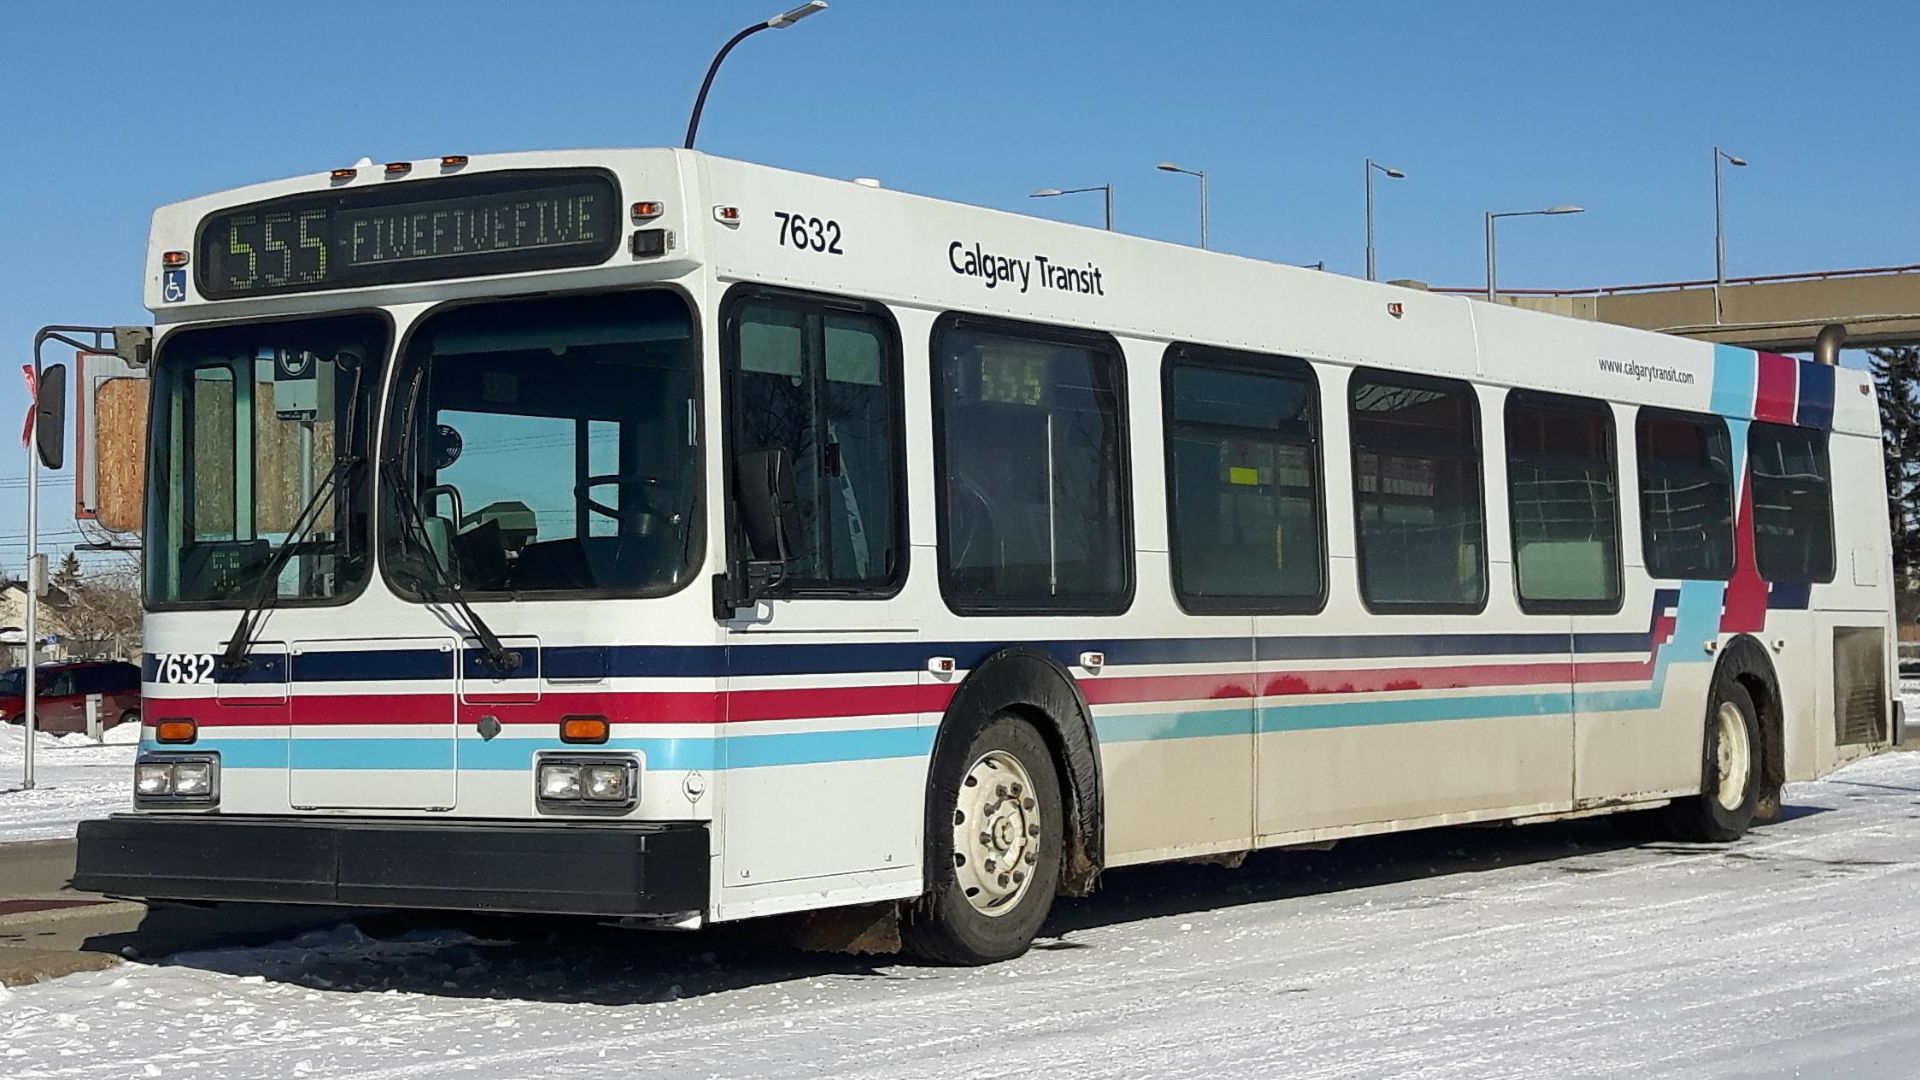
[
  {"x": 1177, "y": 796},
  {"x": 1355, "y": 775}
]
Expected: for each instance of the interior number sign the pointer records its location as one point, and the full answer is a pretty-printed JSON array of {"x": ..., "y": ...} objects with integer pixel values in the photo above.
[{"x": 809, "y": 233}]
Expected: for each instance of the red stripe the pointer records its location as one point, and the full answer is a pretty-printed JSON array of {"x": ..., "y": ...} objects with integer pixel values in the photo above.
[
  {"x": 1774, "y": 388},
  {"x": 1745, "y": 607}
]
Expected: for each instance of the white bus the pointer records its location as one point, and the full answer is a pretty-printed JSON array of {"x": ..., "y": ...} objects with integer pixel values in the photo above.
[{"x": 649, "y": 535}]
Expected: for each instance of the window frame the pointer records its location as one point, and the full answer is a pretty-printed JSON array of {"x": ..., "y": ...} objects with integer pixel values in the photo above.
[
  {"x": 1700, "y": 419},
  {"x": 1116, "y": 603},
  {"x": 894, "y": 365},
  {"x": 1548, "y": 401},
  {"x": 1824, "y": 440},
  {"x": 390, "y": 405},
  {"x": 372, "y": 423},
  {"x": 1274, "y": 365},
  {"x": 1479, "y": 456}
]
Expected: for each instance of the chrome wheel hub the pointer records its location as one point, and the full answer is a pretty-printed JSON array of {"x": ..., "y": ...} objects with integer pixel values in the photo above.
[
  {"x": 996, "y": 833},
  {"x": 1733, "y": 757}
]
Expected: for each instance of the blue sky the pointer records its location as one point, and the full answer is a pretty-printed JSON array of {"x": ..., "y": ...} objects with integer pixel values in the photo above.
[{"x": 114, "y": 108}]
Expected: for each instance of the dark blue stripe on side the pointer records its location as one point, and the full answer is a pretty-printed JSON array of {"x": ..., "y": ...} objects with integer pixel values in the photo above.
[
  {"x": 373, "y": 664},
  {"x": 1790, "y": 595},
  {"x": 1816, "y": 396}
]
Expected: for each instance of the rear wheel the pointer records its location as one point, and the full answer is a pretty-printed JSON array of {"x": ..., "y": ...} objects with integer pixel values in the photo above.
[
  {"x": 994, "y": 839},
  {"x": 1730, "y": 772}
]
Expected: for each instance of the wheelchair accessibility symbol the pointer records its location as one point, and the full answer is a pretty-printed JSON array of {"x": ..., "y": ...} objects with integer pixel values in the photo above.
[{"x": 173, "y": 288}]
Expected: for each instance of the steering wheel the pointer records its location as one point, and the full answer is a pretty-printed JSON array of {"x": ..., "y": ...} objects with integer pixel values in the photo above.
[{"x": 621, "y": 480}]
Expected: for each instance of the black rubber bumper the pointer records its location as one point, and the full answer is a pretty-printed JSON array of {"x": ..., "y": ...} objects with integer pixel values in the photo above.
[{"x": 652, "y": 869}]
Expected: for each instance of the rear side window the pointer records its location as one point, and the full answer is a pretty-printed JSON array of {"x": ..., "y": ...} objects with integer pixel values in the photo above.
[
  {"x": 1565, "y": 502},
  {"x": 1792, "y": 503},
  {"x": 1686, "y": 495},
  {"x": 1031, "y": 457},
  {"x": 1417, "y": 499},
  {"x": 1243, "y": 481}
]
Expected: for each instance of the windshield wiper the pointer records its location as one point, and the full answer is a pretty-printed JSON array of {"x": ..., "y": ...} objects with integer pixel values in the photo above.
[
  {"x": 415, "y": 542},
  {"x": 253, "y": 616}
]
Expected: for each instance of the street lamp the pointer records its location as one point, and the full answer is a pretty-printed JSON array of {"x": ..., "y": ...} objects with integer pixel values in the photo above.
[
  {"x": 1392, "y": 174},
  {"x": 1519, "y": 213},
  {"x": 1168, "y": 166},
  {"x": 1719, "y": 233},
  {"x": 778, "y": 22},
  {"x": 1104, "y": 189}
]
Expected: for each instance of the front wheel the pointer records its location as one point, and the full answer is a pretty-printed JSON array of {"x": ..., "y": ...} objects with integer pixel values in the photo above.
[
  {"x": 1730, "y": 772},
  {"x": 994, "y": 841}
]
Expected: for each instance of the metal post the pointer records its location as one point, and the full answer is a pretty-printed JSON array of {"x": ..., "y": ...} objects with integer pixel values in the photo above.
[
  {"x": 1490, "y": 257},
  {"x": 1203, "y": 210},
  {"x": 1369, "y": 172},
  {"x": 1107, "y": 190},
  {"x": 1719, "y": 241},
  {"x": 34, "y": 578}
]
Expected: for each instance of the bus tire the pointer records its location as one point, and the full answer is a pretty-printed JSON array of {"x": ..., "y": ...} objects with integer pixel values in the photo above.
[
  {"x": 1730, "y": 773},
  {"x": 995, "y": 822}
]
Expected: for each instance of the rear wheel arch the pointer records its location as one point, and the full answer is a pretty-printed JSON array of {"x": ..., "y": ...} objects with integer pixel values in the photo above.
[
  {"x": 1031, "y": 684},
  {"x": 1745, "y": 660}
]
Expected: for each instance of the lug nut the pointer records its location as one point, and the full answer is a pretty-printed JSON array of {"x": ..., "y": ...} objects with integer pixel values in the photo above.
[
  {"x": 1001, "y": 790},
  {"x": 1027, "y": 804},
  {"x": 989, "y": 866},
  {"x": 1017, "y": 789},
  {"x": 1030, "y": 859},
  {"x": 1033, "y": 830},
  {"x": 1004, "y": 879},
  {"x": 986, "y": 838},
  {"x": 1019, "y": 876}
]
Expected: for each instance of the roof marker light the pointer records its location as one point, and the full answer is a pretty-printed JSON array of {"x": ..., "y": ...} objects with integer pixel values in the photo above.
[
  {"x": 453, "y": 161},
  {"x": 345, "y": 174},
  {"x": 173, "y": 260},
  {"x": 727, "y": 215},
  {"x": 647, "y": 211},
  {"x": 399, "y": 168}
]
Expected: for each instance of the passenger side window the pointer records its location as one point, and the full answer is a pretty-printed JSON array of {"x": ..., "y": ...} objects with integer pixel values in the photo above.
[
  {"x": 1032, "y": 462},
  {"x": 1686, "y": 495},
  {"x": 820, "y": 378},
  {"x": 1565, "y": 503},
  {"x": 1792, "y": 503},
  {"x": 1417, "y": 498},
  {"x": 1243, "y": 481}
]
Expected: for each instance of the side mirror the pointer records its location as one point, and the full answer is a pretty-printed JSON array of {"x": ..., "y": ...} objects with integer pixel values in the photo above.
[
  {"x": 50, "y": 417},
  {"x": 763, "y": 480}
]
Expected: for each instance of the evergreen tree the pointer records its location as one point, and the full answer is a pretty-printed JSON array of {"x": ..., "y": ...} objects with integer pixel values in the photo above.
[
  {"x": 68, "y": 575},
  {"x": 1896, "y": 374}
]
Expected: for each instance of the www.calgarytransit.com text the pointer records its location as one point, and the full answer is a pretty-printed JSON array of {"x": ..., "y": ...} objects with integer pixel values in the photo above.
[{"x": 1643, "y": 373}]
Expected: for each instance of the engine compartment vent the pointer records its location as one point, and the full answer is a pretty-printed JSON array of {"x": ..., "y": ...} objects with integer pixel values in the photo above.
[{"x": 1859, "y": 685}]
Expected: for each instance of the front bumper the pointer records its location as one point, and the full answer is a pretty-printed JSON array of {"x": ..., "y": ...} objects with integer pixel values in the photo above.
[{"x": 642, "y": 870}]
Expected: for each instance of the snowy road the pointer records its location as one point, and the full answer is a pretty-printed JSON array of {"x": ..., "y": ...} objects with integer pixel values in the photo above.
[{"x": 1542, "y": 952}]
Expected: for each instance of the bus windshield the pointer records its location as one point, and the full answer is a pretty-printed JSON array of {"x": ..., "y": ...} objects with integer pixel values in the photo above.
[
  {"x": 247, "y": 422},
  {"x": 548, "y": 446}
]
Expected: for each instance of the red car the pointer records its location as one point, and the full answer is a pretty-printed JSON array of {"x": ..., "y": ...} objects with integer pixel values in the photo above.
[{"x": 61, "y": 690}]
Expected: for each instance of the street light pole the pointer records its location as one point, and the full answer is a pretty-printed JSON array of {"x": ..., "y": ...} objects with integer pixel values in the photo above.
[
  {"x": 1168, "y": 166},
  {"x": 1719, "y": 232},
  {"x": 1106, "y": 190},
  {"x": 1392, "y": 174},
  {"x": 1549, "y": 211},
  {"x": 778, "y": 22}
]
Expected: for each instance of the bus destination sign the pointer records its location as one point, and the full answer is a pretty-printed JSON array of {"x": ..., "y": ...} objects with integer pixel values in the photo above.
[{"x": 490, "y": 223}]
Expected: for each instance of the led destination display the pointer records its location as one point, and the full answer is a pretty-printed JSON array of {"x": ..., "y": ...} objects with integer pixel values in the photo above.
[{"x": 492, "y": 223}]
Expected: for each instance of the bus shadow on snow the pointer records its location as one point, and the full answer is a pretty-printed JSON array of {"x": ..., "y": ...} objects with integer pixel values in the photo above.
[{"x": 579, "y": 960}]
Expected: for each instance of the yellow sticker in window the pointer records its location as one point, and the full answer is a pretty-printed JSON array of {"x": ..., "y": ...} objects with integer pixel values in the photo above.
[{"x": 1237, "y": 474}]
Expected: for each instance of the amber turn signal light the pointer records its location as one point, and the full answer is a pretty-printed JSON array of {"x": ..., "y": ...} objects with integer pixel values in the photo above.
[
  {"x": 175, "y": 732},
  {"x": 583, "y": 729}
]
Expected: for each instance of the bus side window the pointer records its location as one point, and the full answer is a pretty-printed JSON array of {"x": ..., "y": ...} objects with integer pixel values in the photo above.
[
  {"x": 1243, "y": 481},
  {"x": 1417, "y": 503},
  {"x": 1792, "y": 503},
  {"x": 1686, "y": 495},
  {"x": 820, "y": 379},
  {"x": 1565, "y": 501}
]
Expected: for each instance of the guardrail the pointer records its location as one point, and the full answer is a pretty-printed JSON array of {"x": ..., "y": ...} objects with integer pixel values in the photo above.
[{"x": 1666, "y": 286}]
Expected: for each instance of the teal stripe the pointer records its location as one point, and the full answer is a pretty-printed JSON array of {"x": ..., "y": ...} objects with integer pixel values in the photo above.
[{"x": 1734, "y": 372}]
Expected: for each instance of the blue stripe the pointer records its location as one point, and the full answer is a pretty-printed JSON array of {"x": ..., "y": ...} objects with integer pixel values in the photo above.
[
  {"x": 1790, "y": 595},
  {"x": 1816, "y": 396},
  {"x": 1734, "y": 371}
]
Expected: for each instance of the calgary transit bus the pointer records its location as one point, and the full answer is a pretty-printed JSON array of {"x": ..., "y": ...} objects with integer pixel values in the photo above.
[{"x": 653, "y": 536}]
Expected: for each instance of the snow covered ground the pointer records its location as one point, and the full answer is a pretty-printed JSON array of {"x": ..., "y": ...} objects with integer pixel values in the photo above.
[
  {"x": 1551, "y": 951},
  {"x": 74, "y": 779}
]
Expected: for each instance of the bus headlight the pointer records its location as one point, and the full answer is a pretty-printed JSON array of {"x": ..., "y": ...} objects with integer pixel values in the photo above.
[
  {"x": 161, "y": 780},
  {"x": 599, "y": 782}
]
